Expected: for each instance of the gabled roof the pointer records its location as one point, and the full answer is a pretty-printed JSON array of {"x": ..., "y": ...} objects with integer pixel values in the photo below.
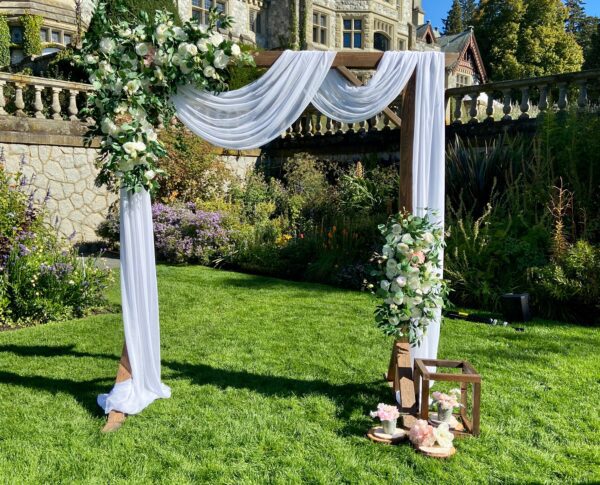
[
  {"x": 425, "y": 30},
  {"x": 456, "y": 46}
]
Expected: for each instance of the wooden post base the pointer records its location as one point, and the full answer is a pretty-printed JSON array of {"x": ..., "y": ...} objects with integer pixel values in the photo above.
[
  {"x": 400, "y": 376},
  {"x": 116, "y": 418}
]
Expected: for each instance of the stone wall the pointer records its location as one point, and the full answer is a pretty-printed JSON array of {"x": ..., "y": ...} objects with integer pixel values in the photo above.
[{"x": 76, "y": 205}]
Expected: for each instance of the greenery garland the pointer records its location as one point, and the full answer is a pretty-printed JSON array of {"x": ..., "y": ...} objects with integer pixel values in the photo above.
[
  {"x": 4, "y": 42},
  {"x": 135, "y": 68},
  {"x": 32, "y": 42}
]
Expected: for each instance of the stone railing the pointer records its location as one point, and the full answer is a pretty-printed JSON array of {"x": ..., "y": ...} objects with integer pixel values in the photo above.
[
  {"x": 523, "y": 99},
  {"x": 41, "y": 98}
]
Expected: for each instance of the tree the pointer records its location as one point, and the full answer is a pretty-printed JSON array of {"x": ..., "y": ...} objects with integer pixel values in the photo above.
[
  {"x": 577, "y": 16},
  {"x": 592, "y": 60},
  {"x": 469, "y": 8},
  {"x": 4, "y": 42},
  {"x": 453, "y": 23},
  {"x": 526, "y": 38}
]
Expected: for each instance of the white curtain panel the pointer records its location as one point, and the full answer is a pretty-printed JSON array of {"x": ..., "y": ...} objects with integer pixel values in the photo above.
[
  {"x": 254, "y": 115},
  {"x": 139, "y": 297}
]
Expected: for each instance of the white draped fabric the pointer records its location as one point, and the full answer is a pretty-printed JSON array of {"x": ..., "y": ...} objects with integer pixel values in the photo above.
[
  {"x": 139, "y": 297},
  {"x": 249, "y": 118}
]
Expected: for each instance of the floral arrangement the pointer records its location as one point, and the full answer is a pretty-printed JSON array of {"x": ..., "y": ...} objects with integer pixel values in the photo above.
[
  {"x": 410, "y": 276},
  {"x": 423, "y": 434},
  {"x": 447, "y": 401},
  {"x": 385, "y": 412},
  {"x": 134, "y": 69}
]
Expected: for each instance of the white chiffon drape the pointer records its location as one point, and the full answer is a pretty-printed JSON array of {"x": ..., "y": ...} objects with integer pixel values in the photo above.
[
  {"x": 139, "y": 297},
  {"x": 249, "y": 118}
]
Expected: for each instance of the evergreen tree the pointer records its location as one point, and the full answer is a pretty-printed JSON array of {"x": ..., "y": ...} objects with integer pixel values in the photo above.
[
  {"x": 577, "y": 15},
  {"x": 469, "y": 8},
  {"x": 592, "y": 60},
  {"x": 523, "y": 38},
  {"x": 453, "y": 23}
]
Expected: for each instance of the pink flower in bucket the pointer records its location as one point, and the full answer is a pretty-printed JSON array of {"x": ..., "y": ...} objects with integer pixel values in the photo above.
[
  {"x": 385, "y": 412},
  {"x": 421, "y": 434}
]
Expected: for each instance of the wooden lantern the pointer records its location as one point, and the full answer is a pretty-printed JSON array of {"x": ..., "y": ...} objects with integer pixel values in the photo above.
[{"x": 468, "y": 377}]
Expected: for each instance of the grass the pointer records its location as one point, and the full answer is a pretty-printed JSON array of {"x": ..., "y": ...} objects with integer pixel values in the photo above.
[{"x": 272, "y": 382}]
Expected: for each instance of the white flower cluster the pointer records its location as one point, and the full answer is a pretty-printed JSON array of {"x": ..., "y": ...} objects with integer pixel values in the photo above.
[
  {"x": 410, "y": 276},
  {"x": 134, "y": 70}
]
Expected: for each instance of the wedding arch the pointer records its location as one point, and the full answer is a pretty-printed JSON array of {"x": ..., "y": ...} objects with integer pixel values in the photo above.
[{"x": 143, "y": 74}]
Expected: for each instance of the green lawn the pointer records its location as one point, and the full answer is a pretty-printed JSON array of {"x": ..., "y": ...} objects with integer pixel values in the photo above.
[{"x": 272, "y": 382}]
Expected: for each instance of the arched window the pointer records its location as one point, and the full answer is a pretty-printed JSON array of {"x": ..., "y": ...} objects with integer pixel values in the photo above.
[{"x": 381, "y": 42}]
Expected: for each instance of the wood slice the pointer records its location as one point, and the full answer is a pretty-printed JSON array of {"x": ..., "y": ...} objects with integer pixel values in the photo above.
[
  {"x": 454, "y": 424},
  {"x": 377, "y": 435},
  {"x": 436, "y": 451}
]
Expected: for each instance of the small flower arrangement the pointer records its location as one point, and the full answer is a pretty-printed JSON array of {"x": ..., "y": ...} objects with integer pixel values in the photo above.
[
  {"x": 385, "y": 412},
  {"x": 446, "y": 404},
  {"x": 135, "y": 68},
  {"x": 423, "y": 434},
  {"x": 388, "y": 415},
  {"x": 410, "y": 276}
]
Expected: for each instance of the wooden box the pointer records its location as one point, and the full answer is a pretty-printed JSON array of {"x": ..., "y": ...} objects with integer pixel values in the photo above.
[{"x": 468, "y": 378}]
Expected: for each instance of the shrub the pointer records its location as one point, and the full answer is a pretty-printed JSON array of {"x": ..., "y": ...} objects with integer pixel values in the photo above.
[
  {"x": 32, "y": 43},
  {"x": 4, "y": 42},
  {"x": 194, "y": 171},
  {"x": 372, "y": 192},
  {"x": 569, "y": 287},
  {"x": 41, "y": 276},
  {"x": 185, "y": 234}
]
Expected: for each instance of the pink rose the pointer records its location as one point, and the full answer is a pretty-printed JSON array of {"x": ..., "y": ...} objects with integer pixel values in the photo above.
[
  {"x": 149, "y": 58},
  {"x": 421, "y": 434},
  {"x": 418, "y": 257}
]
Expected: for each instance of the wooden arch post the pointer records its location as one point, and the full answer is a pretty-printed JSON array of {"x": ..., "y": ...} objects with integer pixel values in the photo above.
[{"x": 400, "y": 374}]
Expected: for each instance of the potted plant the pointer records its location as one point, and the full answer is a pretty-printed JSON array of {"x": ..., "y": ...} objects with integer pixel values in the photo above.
[
  {"x": 446, "y": 404},
  {"x": 388, "y": 415}
]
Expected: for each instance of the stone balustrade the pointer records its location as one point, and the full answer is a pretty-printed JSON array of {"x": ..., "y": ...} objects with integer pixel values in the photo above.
[
  {"x": 37, "y": 97},
  {"x": 524, "y": 98}
]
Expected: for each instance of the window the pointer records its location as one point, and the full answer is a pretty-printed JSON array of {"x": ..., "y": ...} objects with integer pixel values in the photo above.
[
  {"x": 44, "y": 35},
  {"x": 56, "y": 37},
  {"x": 353, "y": 34},
  {"x": 401, "y": 45},
  {"x": 319, "y": 28},
  {"x": 67, "y": 38},
  {"x": 381, "y": 42},
  {"x": 201, "y": 9},
  {"x": 16, "y": 35},
  {"x": 256, "y": 21}
]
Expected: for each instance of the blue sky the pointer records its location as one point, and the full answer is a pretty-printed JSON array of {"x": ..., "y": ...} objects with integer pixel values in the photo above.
[{"x": 436, "y": 10}]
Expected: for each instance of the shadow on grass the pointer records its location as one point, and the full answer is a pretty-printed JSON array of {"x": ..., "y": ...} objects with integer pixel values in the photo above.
[{"x": 349, "y": 398}]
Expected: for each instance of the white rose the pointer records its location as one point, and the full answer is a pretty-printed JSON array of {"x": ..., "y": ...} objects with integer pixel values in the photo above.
[
  {"x": 209, "y": 71},
  {"x": 221, "y": 59},
  {"x": 133, "y": 148},
  {"x": 161, "y": 32},
  {"x": 109, "y": 128},
  {"x": 185, "y": 68},
  {"x": 160, "y": 58},
  {"x": 388, "y": 252},
  {"x": 398, "y": 298},
  {"x": 179, "y": 33},
  {"x": 396, "y": 229},
  {"x": 391, "y": 265},
  {"x": 132, "y": 86},
  {"x": 394, "y": 320},
  {"x": 90, "y": 59},
  {"x": 125, "y": 165},
  {"x": 403, "y": 248},
  {"x": 400, "y": 281},
  {"x": 142, "y": 49},
  {"x": 105, "y": 67},
  {"x": 235, "y": 50},
  {"x": 202, "y": 45},
  {"x": 428, "y": 238},
  {"x": 191, "y": 50},
  {"x": 176, "y": 60},
  {"x": 125, "y": 33},
  {"x": 118, "y": 86},
  {"x": 107, "y": 46},
  {"x": 443, "y": 436},
  {"x": 407, "y": 239},
  {"x": 216, "y": 39},
  {"x": 385, "y": 285},
  {"x": 150, "y": 174}
]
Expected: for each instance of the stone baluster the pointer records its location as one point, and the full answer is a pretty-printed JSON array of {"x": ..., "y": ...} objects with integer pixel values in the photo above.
[
  {"x": 489, "y": 111},
  {"x": 362, "y": 125},
  {"x": 582, "y": 100},
  {"x": 507, "y": 109},
  {"x": 386, "y": 122},
  {"x": 308, "y": 127},
  {"x": 562, "y": 96},
  {"x": 2, "y": 99},
  {"x": 56, "y": 103},
  {"x": 319, "y": 125},
  {"x": 473, "y": 111},
  {"x": 351, "y": 127},
  {"x": 19, "y": 103},
  {"x": 38, "y": 104},
  {"x": 298, "y": 128},
  {"x": 73, "y": 110},
  {"x": 339, "y": 128},
  {"x": 373, "y": 123},
  {"x": 458, "y": 99},
  {"x": 543, "y": 103},
  {"x": 524, "y": 106},
  {"x": 329, "y": 126}
]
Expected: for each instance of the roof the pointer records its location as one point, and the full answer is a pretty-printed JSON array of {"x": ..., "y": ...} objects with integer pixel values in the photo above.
[{"x": 455, "y": 48}]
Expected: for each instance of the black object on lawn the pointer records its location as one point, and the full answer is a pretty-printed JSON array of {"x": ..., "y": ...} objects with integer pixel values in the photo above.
[{"x": 515, "y": 307}]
